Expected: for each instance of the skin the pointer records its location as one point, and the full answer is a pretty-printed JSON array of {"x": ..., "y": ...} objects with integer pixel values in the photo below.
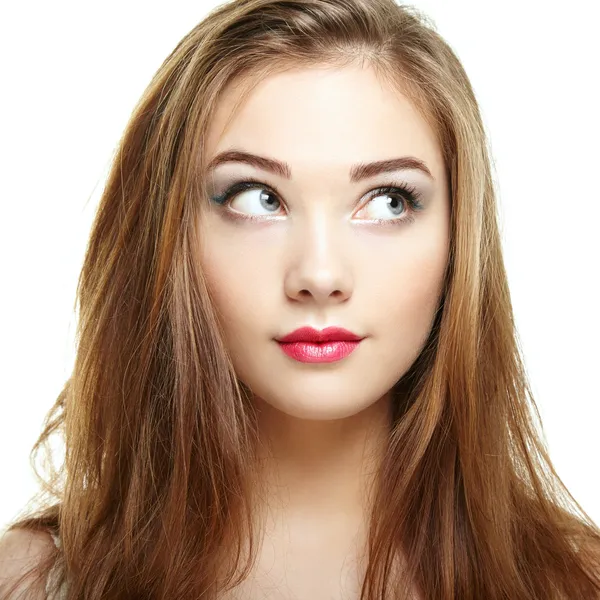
[{"x": 317, "y": 258}]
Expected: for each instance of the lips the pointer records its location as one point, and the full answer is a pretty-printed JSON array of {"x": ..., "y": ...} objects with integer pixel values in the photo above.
[
  {"x": 312, "y": 346},
  {"x": 329, "y": 334}
]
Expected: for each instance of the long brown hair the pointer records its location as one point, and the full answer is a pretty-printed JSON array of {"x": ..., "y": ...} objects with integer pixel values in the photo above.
[{"x": 153, "y": 496}]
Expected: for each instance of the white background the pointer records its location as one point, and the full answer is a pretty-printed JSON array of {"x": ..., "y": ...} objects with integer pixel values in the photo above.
[{"x": 71, "y": 74}]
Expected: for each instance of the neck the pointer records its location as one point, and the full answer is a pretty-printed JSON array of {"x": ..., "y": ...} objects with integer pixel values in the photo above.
[{"x": 321, "y": 470}]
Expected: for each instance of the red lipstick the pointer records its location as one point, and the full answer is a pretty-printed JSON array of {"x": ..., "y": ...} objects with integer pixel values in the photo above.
[{"x": 313, "y": 346}]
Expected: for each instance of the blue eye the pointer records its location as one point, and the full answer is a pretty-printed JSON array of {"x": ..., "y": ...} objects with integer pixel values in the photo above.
[
  {"x": 401, "y": 201},
  {"x": 393, "y": 206},
  {"x": 252, "y": 199},
  {"x": 255, "y": 200}
]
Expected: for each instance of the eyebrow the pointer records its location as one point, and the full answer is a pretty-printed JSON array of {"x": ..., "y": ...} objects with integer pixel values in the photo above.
[{"x": 358, "y": 171}]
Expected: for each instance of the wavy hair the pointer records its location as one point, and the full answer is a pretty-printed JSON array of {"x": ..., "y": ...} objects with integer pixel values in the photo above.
[{"x": 153, "y": 497}]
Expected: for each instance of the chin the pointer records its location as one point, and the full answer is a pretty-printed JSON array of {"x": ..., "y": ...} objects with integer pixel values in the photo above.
[{"x": 317, "y": 405}]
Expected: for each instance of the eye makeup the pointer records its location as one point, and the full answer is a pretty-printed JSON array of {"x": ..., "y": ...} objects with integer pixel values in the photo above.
[{"x": 401, "y": 192}]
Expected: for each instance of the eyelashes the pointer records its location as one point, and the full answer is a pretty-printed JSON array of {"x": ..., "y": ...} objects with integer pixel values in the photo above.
[{"x": 401, "y": 194}]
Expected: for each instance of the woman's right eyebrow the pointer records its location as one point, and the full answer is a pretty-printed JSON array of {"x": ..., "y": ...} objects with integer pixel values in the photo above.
[{"x": 358, "y": 171}]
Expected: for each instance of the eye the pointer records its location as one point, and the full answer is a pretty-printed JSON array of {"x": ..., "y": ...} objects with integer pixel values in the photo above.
[
  {"x": 391, "y": 203},
  {"x": 260, "y": 201},
  {"x": 250, "y": 198},
  {"x": 385, "y": 206}
]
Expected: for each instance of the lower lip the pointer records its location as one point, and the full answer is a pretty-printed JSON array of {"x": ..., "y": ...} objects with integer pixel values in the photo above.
[{"x": 326, "y": 352}]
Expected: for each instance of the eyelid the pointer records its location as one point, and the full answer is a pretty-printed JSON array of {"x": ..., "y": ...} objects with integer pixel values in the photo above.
[
  {"x": 408, "y": 191},
  {"x": 228, "y": 195}
]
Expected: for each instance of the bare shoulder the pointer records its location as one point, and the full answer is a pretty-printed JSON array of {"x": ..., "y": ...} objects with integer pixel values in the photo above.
[{"x": 21, "y": 549}]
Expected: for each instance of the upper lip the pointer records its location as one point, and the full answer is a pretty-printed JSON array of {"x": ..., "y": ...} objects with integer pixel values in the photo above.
[{"x": 329, "y": 334}]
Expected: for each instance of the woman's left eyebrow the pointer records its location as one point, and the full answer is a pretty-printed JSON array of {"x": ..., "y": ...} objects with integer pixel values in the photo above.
[{"x": 358, "y": 172}]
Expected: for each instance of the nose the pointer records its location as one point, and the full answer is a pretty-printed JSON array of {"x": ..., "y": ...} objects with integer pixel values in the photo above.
[{"x": 319, "y": 271}]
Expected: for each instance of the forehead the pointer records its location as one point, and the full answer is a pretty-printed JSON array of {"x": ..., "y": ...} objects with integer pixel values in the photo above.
[{"x": 323, "y": 119}]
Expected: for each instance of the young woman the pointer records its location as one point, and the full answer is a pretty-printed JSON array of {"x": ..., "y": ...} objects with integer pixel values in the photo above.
[{"x": 297, "y": 374}]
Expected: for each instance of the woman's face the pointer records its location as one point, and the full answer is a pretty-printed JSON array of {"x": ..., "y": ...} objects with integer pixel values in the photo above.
[{"x": 317, "y": 244}]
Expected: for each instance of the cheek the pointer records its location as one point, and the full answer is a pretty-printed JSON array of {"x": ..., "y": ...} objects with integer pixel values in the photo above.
[
  {"x": 420, "y": 282},
  {"x": 241, "y": 277},
  {"x": 406, "y": 293}
]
